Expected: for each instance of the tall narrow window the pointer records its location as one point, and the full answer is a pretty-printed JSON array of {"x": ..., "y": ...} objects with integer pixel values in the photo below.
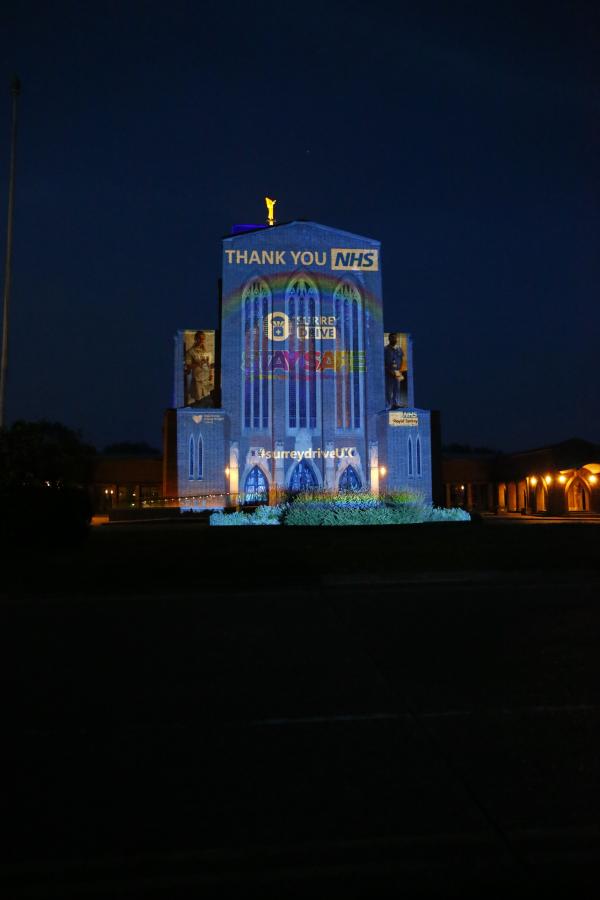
[
  {"x": 349, "y": 365},
  {"x": 199, "y": 458},
  {"x": 303, "y": 307},
  {"x": 355, "y": 375},
  {"x": 256, "y": 306},
  {"x": 418, "y": 455},
  {"x": 191, "y": 459},
  {"x": 410, "y": 456}
]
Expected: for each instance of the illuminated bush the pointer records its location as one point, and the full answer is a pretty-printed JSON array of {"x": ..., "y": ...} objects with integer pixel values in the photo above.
[
  {"x": 449, "y": 515},
  {"x": 399, "y": 498},
  {"x": 268, "y": 515},
  {"x": 344, "y": 509},
  {"x": 365, "y": 509},
  {"x": 342, "y": 514},
  {"x": 263, "y": 515},
  {"x": 233, "y": 518}
]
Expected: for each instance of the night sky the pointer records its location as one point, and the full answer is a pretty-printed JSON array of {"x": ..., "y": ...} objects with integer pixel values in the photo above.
[{"x": 464, "y": 136}]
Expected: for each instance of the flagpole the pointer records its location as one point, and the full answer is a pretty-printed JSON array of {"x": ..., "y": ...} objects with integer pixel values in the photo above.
[{"x": 15, "y": 89}]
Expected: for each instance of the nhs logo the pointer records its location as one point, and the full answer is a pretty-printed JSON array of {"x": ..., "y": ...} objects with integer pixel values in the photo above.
[{"x": 351, "y": 260}]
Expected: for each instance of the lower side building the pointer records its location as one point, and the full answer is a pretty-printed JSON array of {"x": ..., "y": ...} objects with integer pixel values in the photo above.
[{"x": 557, "y": 480}]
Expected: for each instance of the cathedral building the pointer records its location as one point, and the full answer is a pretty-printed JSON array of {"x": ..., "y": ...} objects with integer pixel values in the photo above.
[{"x": 300, "y": 388}]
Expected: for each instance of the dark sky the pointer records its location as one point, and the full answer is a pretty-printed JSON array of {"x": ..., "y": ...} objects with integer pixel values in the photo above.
[{"x": 464, "y": 136}]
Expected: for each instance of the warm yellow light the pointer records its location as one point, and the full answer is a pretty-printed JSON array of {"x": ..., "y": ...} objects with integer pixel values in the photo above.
[
  {"x": 462, "y": 487},
  {"x": 562, "y": 478},
  {"x": 382, "y": 470},
  {"x": 548, "y": 479},
  {"x": 227, "y": 471},
  {"x": 593, "y": 479},
  {"x": 533, "y": 480}
]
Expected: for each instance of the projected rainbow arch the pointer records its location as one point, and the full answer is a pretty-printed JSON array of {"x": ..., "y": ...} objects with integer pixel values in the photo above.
[{"x": 279, "y": 282}]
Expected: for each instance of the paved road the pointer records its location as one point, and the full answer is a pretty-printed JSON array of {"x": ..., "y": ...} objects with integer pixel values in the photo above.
[{"x": 432, "y": 735}]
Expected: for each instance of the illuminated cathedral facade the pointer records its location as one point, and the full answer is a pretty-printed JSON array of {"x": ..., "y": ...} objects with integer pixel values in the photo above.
[{"x": 300, "y": 388}]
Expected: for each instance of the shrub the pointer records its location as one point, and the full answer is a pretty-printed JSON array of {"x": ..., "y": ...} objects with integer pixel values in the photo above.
[
  {"x": 262, "y": 515},
  {"x": 344, "y": 509},
  {"x": 268, "y": 515},
  {"x": 364, "y": 509},
  {"x": 456, "y": 514},
  {"x": 375, "y": 515},
  {"x": 304, "y": 513},
  {"x": 400, "y": 498},
  {"x": 233, "y": 518}
]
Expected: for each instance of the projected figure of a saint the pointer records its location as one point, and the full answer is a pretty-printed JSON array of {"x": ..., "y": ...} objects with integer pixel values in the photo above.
[
  {"x": 393, "y": 357},
  {"x": 198, "y": 367}
]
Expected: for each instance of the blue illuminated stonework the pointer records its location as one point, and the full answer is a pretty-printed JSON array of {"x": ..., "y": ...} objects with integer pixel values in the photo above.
[{"x": 302, "y": 377}]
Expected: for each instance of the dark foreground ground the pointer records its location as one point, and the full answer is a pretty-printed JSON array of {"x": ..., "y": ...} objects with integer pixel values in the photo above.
[{"x": 295, "y": 713}]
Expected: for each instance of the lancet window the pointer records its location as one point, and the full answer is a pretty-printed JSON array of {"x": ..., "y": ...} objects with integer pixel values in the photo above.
[
  {"x": 200, "y": 458},
  {"x": 256, "y": 397},
  {"x": 349, "y": 372},
  {"x": 191, "y": 458},
  {"x": 303, "y": 308}
]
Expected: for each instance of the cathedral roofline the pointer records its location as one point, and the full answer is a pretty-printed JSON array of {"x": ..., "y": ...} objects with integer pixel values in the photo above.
[{"x": 293, "y": 222}]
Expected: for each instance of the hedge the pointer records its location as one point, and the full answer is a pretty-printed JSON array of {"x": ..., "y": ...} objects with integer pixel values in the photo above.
[{"x": 344, "y": 509}]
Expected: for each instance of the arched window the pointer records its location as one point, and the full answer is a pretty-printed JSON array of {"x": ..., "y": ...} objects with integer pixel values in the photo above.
[
  {"x": 303, "y": 307},
  {"x": 349, "y": 356},
  {"x": 191, "y": 459},
  {"x": 349, "y": 480},
  {"x": 256, "y": 306},
  {"x": 256, "y": 488},
  {"x": 199, "y": 458},
  {"x": 410, "y": 456},
  {"x": 418, "y": 455},
  {"x": 303, "y": 478},
  {"x": 578, "y": 498}
]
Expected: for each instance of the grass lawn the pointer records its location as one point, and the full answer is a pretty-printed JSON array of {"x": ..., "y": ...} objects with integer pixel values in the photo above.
[{"x": 179, "y": 556}]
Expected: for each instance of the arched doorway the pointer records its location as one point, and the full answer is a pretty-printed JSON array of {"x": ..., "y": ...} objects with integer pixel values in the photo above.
[
  {"x": 303, "y": 478},
  {"x": 522, "y": 494},
  {"x": 512, "y": 497},
  {"x": 578, "y": 496},
  {"x": 256, "y": 488},
  {"x": 349, "y": 480},
  {"x": 502, "y": 496}
]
